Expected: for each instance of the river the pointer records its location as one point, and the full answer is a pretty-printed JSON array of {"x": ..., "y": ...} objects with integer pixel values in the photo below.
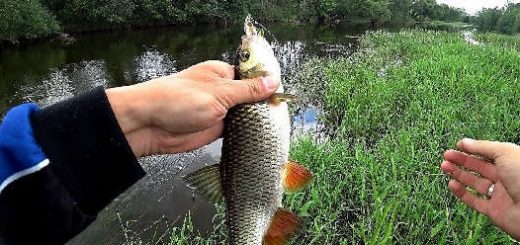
[{"x": 53, "y": 71}]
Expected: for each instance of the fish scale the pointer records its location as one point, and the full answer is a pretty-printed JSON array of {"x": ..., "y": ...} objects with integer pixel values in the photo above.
[
  {"x": 254, "y": 169},
  {"x": 251, "y": 158}
]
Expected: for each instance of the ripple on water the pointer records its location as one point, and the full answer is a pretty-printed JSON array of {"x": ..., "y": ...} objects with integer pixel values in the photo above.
[
  {"x": 63, "y": 83},
  {"x": 152, "y": 64}
]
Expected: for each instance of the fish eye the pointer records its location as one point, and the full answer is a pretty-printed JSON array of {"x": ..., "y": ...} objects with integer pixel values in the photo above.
[{"x": 244, "y": 55}]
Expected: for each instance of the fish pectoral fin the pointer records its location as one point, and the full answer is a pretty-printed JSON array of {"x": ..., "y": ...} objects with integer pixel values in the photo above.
[
  {"x": 282, "y": 97},
  {"x": 206, "y": 181},
  {"x": 284, "y": 225},
  {"x": 295, "y": 176},
  {"x": 258, "y": 71}
]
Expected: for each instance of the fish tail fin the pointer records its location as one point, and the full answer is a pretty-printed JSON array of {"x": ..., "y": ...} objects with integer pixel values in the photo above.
[
  {"x": 206, "y": 181},
  {"x": 295, "y": 176},
  {"x": 284, "y": 225}
]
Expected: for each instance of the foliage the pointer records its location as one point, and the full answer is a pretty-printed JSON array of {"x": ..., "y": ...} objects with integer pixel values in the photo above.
[
  {"x": 149, "y": 12},
  {"x": 448, "y": 13},
  {"x": 400, "y": 10},
  {"x": 25, "y": 19},
  {"x": 505, "y": 20},
  {"x": 100, "y": 13},
  {"x": 487, "y": 19},
  {"x": 80, "y": 15},
  {"x": 427, "y": 10}
]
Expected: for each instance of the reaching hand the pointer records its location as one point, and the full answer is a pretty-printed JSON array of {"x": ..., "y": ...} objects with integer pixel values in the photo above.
[
  {"x": 495, "y": 163},
  {"x": 183, "y": 111}
]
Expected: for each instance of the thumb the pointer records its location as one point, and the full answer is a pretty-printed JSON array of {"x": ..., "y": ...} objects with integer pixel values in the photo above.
[
  {"x": 488, "y": 149},
  {"x": 235, "y": 92}
]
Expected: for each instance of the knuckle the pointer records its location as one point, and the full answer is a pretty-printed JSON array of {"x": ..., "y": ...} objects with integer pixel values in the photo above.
[
  {"x": 220, "y": 102},
  {"x": 221, "y": 68},
  {"x": 482, "y": 185},
  {"x": 457, "y": 173},
  {"x": 470, "y": 201},
  {"x": 254, "y": 89},
  {"x": 219, "y": 110}
]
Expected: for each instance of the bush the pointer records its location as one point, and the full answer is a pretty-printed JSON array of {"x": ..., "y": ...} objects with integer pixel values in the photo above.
[
  {"x": 25, "y": 19},
  {"x": 96, "y": 14},
  {"x": 506, "y": 20}
]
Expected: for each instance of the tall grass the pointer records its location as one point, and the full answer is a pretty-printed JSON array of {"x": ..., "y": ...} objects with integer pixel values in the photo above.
[
  {"x": 401, "y": 101},
  {"x": 506, "y": 41}
]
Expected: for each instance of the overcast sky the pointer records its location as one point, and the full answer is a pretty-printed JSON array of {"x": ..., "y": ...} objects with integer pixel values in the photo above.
[{"x": 473, "y": 6}]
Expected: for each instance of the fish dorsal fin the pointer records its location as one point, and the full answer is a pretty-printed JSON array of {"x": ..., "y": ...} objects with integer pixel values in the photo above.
[
  {"x": 284, "y": 225},
  {"x": 206, "y": 181},
  {"x": 295, "y": 176}
]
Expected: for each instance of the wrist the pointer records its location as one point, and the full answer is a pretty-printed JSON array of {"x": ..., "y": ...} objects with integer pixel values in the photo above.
[{"x": 128, "y": 108}]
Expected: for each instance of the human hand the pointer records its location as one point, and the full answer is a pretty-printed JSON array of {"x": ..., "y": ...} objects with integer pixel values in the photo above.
[
  {"x": 183, "y": 111},
  {"x": 493, "y": 162}
]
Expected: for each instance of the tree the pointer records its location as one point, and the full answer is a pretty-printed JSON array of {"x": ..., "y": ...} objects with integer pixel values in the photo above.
[
  {"x": 400, "y": 10},
  {"x": 149, "y": 12},
  {"x": 423, "y": 10},
  {"x": 448, "y": 13},
  {"x": 96, "y": 14},
  {"x": 376, "y": 11},
  {"x": 25, "y": 19},
  {"x": 487, "y": 19}
]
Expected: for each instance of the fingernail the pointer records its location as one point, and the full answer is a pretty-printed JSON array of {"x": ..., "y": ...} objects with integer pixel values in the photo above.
[
  {"x": 269, "y": 83},
  {"x": 467, "y": 140},
  {"x": 464, "y": 141}
]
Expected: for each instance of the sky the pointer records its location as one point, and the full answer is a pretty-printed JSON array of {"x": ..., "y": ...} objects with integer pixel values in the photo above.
[{"x": 473, "y": 6}]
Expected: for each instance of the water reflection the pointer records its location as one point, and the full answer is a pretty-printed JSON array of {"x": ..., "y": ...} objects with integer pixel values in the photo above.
[
  {"x": 63, "y": 83},
  {"x": 48, "y": 73},
  {"x": 87, "y": 75},
  {"x": 152, "y": 64},
  {"x": 48, "y": 91}
]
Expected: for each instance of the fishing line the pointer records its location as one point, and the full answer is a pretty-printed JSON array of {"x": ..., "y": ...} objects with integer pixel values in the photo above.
[{"x": 263, "y": 28}]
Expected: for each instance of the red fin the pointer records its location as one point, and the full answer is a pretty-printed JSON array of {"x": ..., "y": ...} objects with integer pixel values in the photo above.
[
  {"x": 283, "y": 225},
  {"x": 295, "y": 176}
]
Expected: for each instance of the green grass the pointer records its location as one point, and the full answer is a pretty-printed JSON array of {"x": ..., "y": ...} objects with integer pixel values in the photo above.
[
  {"x": 446, "y": 26},
  {"x": 506, "y": 41},
  {"x": 401, "y": 101}
]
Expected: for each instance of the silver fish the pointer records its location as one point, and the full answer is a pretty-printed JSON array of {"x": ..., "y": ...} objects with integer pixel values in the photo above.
[{"x": 255, "y": 169}]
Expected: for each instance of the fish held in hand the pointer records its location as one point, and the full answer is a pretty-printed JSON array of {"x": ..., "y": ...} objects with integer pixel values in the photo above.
[{"x": 255, "y": 170}]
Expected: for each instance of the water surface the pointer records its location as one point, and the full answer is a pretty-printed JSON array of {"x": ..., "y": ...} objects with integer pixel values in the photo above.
[{"x": 49, "y": 72}]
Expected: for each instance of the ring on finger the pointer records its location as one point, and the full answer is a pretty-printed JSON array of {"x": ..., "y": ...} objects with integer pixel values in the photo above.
[{"x": 490, "y": 190}]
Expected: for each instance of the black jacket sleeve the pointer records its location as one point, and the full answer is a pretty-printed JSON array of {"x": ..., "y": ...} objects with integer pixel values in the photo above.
[{"x": 91, "y": 163}]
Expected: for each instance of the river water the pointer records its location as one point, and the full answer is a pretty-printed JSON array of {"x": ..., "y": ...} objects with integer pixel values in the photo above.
[{"x": 53, "y": 71}]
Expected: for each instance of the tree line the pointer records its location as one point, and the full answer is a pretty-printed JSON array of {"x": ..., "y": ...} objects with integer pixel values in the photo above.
[
  {"x": 26, "y": 19},
  {"x": 504, "y": 20}
]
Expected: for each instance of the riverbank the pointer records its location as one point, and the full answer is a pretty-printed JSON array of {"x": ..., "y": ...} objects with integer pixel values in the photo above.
[
  {"x": 398, "y": 104},
  {"x": 30, "y": 19}
]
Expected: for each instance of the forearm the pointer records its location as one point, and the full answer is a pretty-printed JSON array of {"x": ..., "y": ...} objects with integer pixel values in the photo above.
[{"x": 89, "y": 164}]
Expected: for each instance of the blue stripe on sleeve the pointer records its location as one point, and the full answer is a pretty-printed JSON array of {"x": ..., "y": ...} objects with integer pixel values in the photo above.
[{"x": 19, "y": 153}]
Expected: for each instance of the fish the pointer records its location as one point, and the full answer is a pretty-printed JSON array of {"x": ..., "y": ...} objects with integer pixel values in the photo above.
[{"x": 255, "y": 170}]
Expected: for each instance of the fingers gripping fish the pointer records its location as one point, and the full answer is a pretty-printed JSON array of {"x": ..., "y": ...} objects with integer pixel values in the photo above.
[{"x": 255, "y": 169}]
